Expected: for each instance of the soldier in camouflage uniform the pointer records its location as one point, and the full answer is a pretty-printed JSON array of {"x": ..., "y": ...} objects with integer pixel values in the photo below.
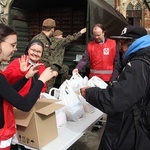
[
  {"x": 48, "y": 27},
  {"x": 58, "y": 43}
]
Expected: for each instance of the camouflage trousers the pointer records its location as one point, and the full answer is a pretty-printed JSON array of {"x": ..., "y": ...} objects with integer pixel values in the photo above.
[{"x": 62, "y": 76}]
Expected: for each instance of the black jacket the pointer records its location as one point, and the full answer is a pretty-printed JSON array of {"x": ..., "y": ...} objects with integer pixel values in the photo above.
[{"x": 117, "y": 101}]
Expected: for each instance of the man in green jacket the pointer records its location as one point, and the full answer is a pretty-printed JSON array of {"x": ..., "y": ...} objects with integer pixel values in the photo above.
[{"x": 48, "y": 28}]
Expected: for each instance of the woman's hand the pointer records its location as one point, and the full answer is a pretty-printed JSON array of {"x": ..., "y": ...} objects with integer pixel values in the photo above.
[
  {"x": 47, "y": 74},
  {"x": 24, "y": 63},
  {"x": 55, "y": 73},
  {"x": 33, "y": 70}
]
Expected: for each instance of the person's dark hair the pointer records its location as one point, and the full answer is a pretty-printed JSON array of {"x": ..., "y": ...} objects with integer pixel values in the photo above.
[
  {"x": 35, "y": 41},
  {"x": 5, "y": 31},
  {"x": 130, "y": 42},
  {"x": 100, "y": 26}
]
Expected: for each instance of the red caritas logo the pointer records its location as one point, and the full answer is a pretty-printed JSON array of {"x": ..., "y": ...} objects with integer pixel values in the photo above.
[{"x": 106, "y": 51}]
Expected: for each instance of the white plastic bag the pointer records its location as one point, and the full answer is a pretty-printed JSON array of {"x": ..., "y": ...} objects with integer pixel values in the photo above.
[
  {"x": 74, "y": 85},
  {"x": 75, "y": 113},
  {"x": 61, "y": 118},
  {"x": 54, "y": 92},
  {"x": 74, "y": 110},
  {"x": 60, "y": 113},
  {"x": 97, "y": 82},
  {"x": 77, "y": 77},
  {"x": 46, "y": 95},
  {"x": 88, "y": 108},
  {"x": 85, "y": 81},
  {"x": 77, "y": 82},
  {"x": 68, "y": 96}
]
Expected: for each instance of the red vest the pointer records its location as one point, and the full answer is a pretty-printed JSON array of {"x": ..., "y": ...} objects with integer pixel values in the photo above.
[
  {"x": 9, "y": 121},
  {"x": 102, "y": 58}
]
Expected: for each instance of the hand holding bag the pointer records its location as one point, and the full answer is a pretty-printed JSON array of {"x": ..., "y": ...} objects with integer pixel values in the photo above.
[
  {"x": 86, "y": 105},
  {"x": 77, "y": 82}
]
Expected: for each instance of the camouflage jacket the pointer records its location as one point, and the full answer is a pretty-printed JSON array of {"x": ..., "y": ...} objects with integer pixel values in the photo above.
[
  {"x": 46, "y": 53},
  {"x": 58, "y": 47}
]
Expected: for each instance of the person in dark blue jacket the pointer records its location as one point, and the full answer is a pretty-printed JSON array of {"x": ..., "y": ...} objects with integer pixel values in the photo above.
[{"x": 131, "y": 87}]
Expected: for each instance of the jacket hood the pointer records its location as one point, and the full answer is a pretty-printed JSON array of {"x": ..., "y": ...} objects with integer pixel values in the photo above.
[{"x": 138, "y": 45}]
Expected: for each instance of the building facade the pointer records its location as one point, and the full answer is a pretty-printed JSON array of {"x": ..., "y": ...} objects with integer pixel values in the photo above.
[{"x": 136, "y": 12}]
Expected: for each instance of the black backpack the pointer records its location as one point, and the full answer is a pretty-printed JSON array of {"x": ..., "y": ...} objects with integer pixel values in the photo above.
[{"x": 141, "y": 111}]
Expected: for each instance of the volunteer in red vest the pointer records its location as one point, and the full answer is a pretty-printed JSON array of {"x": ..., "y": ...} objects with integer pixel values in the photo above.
[
  {"x": 13, "y": 72},
  {"x": 9, "y": 97},
  {"x": 102, "y": 55}
]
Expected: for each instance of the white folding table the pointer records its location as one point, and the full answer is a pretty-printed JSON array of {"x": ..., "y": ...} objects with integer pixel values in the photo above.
[{"x": 72, "y": 131}]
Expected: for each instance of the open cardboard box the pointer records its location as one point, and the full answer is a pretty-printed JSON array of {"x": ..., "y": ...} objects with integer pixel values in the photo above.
[{"x": 37, "y": 127}]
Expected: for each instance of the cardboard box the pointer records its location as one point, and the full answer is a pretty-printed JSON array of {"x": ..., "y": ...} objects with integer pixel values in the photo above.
[{"x": 37, "y": 127}]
